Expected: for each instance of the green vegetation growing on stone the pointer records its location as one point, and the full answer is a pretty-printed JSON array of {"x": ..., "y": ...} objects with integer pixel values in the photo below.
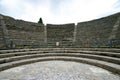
[{"x": 40, "y": 21}]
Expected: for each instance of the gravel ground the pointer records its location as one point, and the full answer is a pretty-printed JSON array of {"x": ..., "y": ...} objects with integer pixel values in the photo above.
[{"x": 57, "y": 70}]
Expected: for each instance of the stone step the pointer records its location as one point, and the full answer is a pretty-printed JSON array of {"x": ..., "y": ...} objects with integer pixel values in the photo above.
[
  {"x": 63, "y": 49},
  {"x": 117, "y": 50},
  {"x": 24, "y": 50},
  {"x": 16, "y": 50},
  {"x": 110, "y": 54},
  {"x": 85, "y": 49},
  {"x": 19, "y": 54},
  {"x": 97, "y": 57},
  {"x": 106, "y": 65}
]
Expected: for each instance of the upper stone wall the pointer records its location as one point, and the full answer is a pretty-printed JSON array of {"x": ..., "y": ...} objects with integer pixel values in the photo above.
[
  {"x": 19, "y": 30},
  {"x": 23, "y": 30},
  {"x": 1, "y": 33},
  {"x": 99, "y": 28},
  {"x": 118, "y": 30},
  {"x": 15, "y": 24},
  {"x": 62, "y": 32}
]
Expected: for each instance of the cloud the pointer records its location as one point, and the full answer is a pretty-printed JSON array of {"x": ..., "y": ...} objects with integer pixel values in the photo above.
[
  {"x": 82, "y": 10},
  {"x": 12, "y": 7},
  {"x": 59, "y": 11}
]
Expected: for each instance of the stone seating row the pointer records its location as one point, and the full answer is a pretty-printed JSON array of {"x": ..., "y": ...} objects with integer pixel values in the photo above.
[{"x": 106, "y": 60}]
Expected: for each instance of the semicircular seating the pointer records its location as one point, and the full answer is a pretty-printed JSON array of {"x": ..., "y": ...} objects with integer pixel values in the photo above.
[{"x": 108, "y": 59}]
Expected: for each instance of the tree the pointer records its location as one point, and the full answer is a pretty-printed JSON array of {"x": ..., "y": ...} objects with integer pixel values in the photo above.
[{"x": 40, "y": 21}]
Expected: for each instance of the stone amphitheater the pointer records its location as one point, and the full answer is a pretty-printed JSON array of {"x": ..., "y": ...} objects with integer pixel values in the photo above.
[{"x": 86, "y": 51}]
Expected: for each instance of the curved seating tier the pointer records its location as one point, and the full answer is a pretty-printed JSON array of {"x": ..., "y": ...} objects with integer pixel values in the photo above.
[{"x": 108, "y": 59}]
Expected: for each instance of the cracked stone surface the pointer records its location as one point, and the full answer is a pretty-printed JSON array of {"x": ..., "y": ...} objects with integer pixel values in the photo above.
[{"x": 57, "y": 70}]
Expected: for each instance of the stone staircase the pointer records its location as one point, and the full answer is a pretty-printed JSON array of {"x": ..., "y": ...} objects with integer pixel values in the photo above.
[{"x": 108, "y": 59}]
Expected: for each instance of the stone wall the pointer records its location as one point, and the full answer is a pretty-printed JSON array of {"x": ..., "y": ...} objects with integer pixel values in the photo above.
[
  {"x": 60, "y": 32},
  {"x": 1, "y": 33},
  {"x": 100, "y": 28},
  {"x": 98, "y": 31},
  {"x": 118, "y": 30},
  {"x": 1, "y": 37},
  {"x": 25, "y": 32},
  {"x": 22, "y": 31}
]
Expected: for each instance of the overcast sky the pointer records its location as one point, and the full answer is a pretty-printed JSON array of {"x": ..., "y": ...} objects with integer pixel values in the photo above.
[{"x": 59, "y": 11}]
